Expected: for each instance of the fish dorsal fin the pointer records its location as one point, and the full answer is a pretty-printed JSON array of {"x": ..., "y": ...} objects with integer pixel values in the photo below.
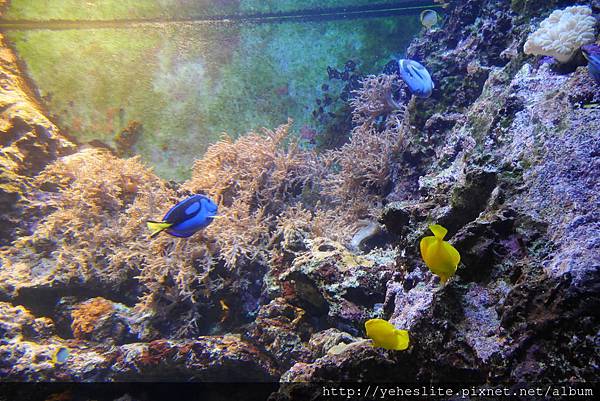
[{"x": 439, "y": 231}]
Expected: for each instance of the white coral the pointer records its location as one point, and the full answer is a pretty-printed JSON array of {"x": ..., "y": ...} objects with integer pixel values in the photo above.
[{"x": 562, "y": 33}]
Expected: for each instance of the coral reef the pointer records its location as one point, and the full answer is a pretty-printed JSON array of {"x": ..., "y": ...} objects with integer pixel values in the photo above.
[
  {"x": 28, "y": 343},
  {"x": 562, "y": 33},
  {"x": 253, "y": 179},
  {"x": 376, "y": 97},
  {"x": 87, "y": 315},
  {"x": 312, "y": 244},
  {"x": 80, "y": 233}
]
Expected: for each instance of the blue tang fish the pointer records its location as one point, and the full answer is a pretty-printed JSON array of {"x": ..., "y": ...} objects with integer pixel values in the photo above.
[
  {"x": 592, "y": 54},
  {"x": 416, "y": 77},
  {"x": 186, "y": 217}
]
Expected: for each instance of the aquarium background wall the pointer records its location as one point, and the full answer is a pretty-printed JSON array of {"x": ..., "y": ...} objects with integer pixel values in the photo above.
[
  {"x": 220, "y": 192},
  {"x": 186, "y": 82}
]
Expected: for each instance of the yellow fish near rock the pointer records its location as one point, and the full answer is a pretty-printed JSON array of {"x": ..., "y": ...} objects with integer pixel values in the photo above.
[
  {"x": 386, "y": 335},
  {"x": 441, "y": 257}
]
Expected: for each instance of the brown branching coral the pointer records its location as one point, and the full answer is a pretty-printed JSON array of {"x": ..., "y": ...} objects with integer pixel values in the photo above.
[
  {"x": 92, "y": 230},
  {"x": 254, "y": 179},
  {"x": 376, "y": 98},
  {"x": 91, "y": 223},
  {"x": 359, "y": 171},
  {"x": 93, "y": 206}
]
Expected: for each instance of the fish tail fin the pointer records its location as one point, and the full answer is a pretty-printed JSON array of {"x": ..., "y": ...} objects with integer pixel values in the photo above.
[
  {"x": 157, "y": 227},
  {"x": 439, "y": 231}
]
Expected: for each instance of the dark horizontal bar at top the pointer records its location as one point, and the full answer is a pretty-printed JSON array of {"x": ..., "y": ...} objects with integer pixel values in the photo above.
[{"x": 407, "y": 7}]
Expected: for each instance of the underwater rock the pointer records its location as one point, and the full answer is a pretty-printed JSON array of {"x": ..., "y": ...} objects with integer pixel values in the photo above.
[
  {"x": 324, "y": 341},
  {"x": 282, "y": 331},
  {"x": 329, "y": 281},
  {"x": 396, "y": 216},
  {"x": 358, "y": 361},
  {"x": 469, "y": 197},
  {"x": 28, "y": 140},
  {"x": 226, "y": 358},
  {"x": 519, "y": 188},
  {"x": 28, "y": 346},
  {"x": 439, "y": 124},
  {"x": 17, "y": 321},
  {"x": 447, "y": 52},
  {"x": 558, "y": 144},
  {"x": 208, "y": 359},
  {"x": 101, "y": 320},
  {"x": 485, "y": 240}
]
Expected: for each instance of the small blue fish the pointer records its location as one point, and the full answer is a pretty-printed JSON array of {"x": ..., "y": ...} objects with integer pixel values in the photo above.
[
  {"x": 592, "y": 54},
  {"x": 186, "y": 217},
  {"x": 416, "y": 77}
]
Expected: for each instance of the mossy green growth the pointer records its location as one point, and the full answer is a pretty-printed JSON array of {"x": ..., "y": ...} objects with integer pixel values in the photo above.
[
  {"x": 517, "y": 5},
  {"x": 188, "y": 83},
  {"x": 132, "y": 9},
  {"x": 527, "y": 8},
  {"x": 280, "y": 6},
  {"x": 114, "y": 9}
]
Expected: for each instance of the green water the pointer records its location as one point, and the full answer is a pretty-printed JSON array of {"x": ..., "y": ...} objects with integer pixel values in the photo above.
[
  {"x": 111, "y": 9},
  {"x": 186, "y": 83}
]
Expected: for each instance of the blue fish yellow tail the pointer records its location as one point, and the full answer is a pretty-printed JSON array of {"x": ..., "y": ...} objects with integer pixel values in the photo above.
[{"x": 157, "y": 226}]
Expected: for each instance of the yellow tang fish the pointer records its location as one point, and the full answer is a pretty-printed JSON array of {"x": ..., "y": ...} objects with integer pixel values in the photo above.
[
  {"x": 441, "y": 257},
  {"x": 385, "y": 335}
]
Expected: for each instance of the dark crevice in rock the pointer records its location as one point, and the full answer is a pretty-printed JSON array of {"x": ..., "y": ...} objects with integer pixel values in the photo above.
[
  {"x": 468, "y": 200},
  {"x": 43, "y": 300}
]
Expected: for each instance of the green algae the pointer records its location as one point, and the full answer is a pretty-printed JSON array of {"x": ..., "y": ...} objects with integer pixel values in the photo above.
[
  {"x": 134, "y": 9},
  {"x": 280, "y": 6},
  {"x": 188, "y": 83},
  {"x": 114, "y": 9}
]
